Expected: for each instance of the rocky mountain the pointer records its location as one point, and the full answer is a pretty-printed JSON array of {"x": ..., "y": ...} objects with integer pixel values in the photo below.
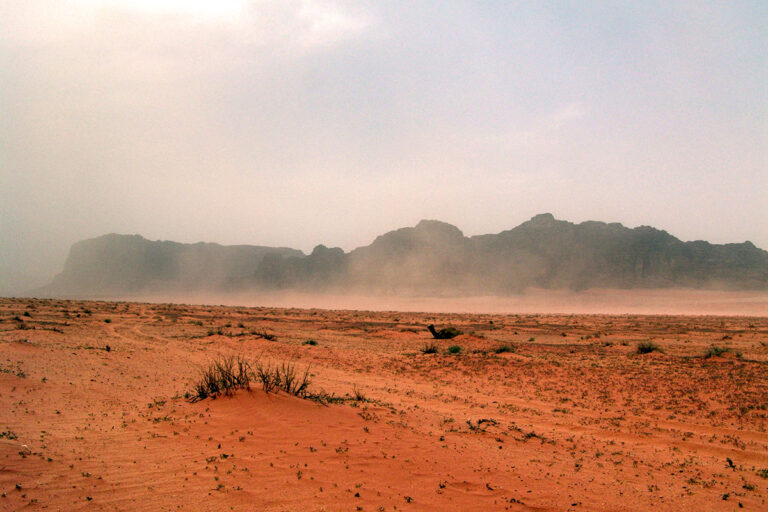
[
  {"x": 116, "y": 264},
  {"x": 432, "y": 258}
]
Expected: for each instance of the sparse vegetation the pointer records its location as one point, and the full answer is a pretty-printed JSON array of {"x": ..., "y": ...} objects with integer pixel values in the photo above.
[
  {"x": 715, "y": 351},
  {"x": 505, "y": 348},
  {"x": 265, "y": 335},
  {"x": 8, "y": 434},
  {"x": 228, "y": 374},
  {"x": 454, "y": 349},
  {"x": 358, "y": 395},
  {"x": 283, "y": 376},
  {"x": 224, "y": 375},
  {"x": 646, "y": 347},
  {"x": 310, "y": 342},
  {"x": 429, "y": 348}
]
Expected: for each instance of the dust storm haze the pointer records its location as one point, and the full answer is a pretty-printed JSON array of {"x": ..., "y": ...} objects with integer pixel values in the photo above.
[{"x": 289, "y": 125}]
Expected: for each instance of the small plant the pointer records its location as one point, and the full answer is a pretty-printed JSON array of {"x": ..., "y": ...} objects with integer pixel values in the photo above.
[
  {"x": 224, "y": 375},
  {"x": 264, "y": 334},
  {"x": 268, "y": 377},
  {"x": 646, "y": 347},
  {"x": 283, "y": 377},
  {"x": 429, "y": 348},
  {"x": 310, "y": 342},
  {"x": 715, "y": 351},
  {"x": 107, "y": 320},
  {"x": 762, "y": 473},
  {"x": 9, "y": 434},
  {"x": 505, "y": 348},
  {"x": 454, "y": 349},
  {"x": 443, "y": 334},
  {"x": 292, "y": 382},
  {"x": 358, "y": 395}
]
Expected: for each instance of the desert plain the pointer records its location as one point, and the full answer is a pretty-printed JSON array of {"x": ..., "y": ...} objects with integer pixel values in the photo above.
[{"x": 545, "y": 412}]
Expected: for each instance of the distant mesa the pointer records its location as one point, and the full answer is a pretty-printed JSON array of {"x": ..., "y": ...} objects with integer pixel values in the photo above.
[{"x": 432, "y": 258}]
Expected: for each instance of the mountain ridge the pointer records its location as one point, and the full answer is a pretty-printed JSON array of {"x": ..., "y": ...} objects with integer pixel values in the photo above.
[{"x": 432, "y": 257}]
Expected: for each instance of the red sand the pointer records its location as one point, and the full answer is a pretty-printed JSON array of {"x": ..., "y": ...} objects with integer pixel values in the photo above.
[{"x": 574, "y": 419}]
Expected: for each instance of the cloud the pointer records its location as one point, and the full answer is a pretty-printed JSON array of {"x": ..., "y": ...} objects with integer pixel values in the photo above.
[
  {"x": 565, "y": 115},
  {"x": 303, "y": 26}
]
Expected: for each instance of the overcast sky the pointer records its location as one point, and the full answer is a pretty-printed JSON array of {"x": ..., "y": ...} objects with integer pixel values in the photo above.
[{"x": 297, "y": 123}]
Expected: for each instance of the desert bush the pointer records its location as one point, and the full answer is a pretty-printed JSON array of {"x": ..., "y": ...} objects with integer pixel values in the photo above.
[
  {"x": 505, "y": 348},
  {"x": 358, "y": 395},
  {"x": 429, "y": 348},
  {"x": 293, "y": 382},
  {"x": 227, "y": 374},
  {"x": 310, "y": 342},
  {"x": 283, "y": 376},
  {"x": 224, "y": 375},
  {"x": 715, "y": 351},
  {"x": 646, "y": 347},
  {"x": 267, "y": 376},
  {"x": 443, "y": 334},
  {"x": 454, "y": 349}
]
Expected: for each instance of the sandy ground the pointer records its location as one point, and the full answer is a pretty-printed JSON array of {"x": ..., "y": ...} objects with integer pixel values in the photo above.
[
  {"x": 573, "y": 419},
  {"x": 675, "y": 301}
]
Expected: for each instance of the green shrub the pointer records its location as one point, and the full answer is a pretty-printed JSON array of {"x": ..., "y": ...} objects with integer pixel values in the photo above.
[
  {"x": 505, "y": 348},
  {"x": 310, "y": 342},
  {"x": 454, "y": 349}
]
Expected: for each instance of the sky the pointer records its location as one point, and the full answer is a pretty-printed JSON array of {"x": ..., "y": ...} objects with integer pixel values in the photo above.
[{"x": 294, "y": 123}]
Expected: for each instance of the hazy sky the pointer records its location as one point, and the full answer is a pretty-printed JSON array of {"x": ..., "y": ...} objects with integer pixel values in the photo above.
[{"x": 297, "y": 123}]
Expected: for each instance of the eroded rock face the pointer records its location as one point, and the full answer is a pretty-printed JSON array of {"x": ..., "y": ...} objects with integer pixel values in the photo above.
[{"x": 431, "y": 258}]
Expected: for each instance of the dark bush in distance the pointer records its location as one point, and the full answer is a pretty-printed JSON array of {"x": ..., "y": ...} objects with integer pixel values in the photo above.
[
  {"x": 646, "y": 347},
  {"x": 429, "y": 348},
  {"x": 715, "y": 351}
]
